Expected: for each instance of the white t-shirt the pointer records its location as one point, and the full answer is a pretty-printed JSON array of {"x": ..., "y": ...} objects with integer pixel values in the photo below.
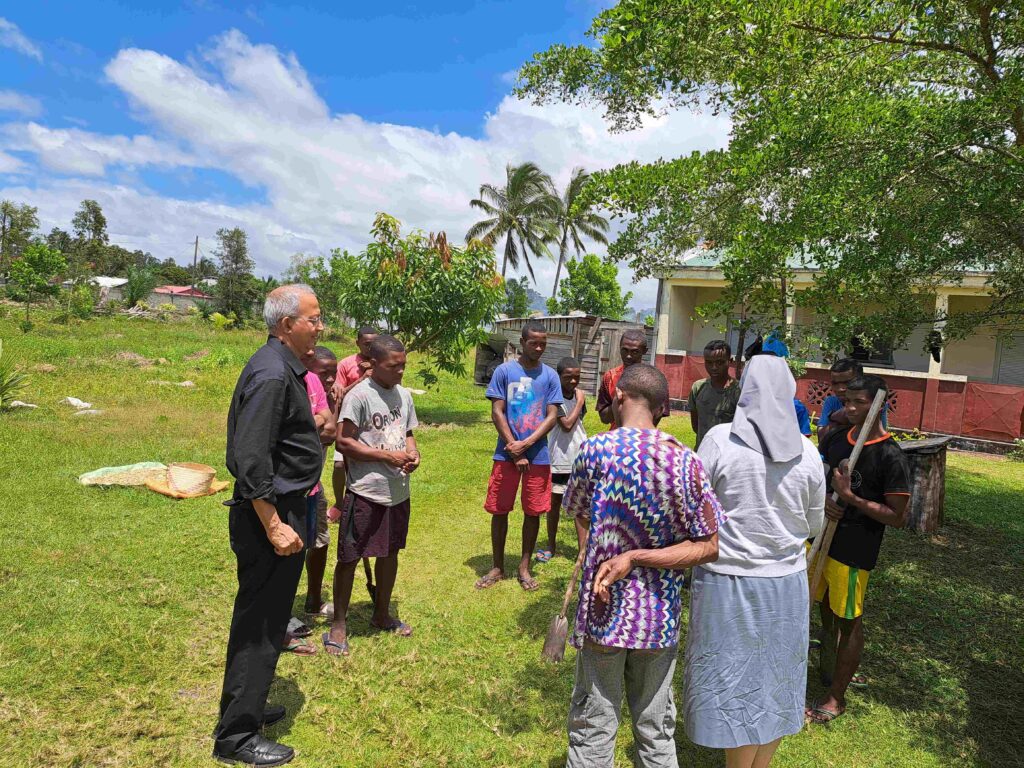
[
  {"x": 563, "y": 445},
  {"x": 773, "y": 508},
  {"x": 382, "y": 418}
]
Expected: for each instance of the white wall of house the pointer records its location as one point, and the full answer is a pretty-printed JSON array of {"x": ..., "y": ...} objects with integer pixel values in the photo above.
[{"x": 977, "y": 357}]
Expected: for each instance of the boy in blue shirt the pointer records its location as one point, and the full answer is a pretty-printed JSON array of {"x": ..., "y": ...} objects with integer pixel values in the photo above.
[
  {"x": 833, "y": 414},
  {"x": 525, "y": 395}
]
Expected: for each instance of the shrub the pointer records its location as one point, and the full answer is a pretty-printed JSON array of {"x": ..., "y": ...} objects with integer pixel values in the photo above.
[
  {"x": 11, "y": 380},
  {"x": 142, "y": 305},
  {"x": 220, "y": 322},
  {"x": 167, "y": 307},
  {"x": 26, "y": 326},
  {"x": 1017, "y": 452},
  {"x": 205, "y": 309},
  {"x": 81, "y": 302},
  {"x": 192, "y": 311}
]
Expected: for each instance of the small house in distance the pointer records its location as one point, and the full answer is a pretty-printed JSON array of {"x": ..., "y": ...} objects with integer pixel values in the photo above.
[
  {"x": 181, "y": 296},
  {"x": 109, "y": 287},
  {"x": 975, "y": 390},
  {"x": 592, "y": 340}
]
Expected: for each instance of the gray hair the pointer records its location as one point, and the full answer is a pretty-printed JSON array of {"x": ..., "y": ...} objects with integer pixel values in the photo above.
[{"x": 283, "y": 302}]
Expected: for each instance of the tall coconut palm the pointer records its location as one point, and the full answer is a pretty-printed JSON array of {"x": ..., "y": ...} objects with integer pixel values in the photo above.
[
  {"x": 524, "y": 210},
  {"x": 576, "y": 223}
]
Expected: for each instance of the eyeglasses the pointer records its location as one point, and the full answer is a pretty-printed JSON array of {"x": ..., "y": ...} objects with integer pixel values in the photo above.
[{"x": 315, "y": 321}]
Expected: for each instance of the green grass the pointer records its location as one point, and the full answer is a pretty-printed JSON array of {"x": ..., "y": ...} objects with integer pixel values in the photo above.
[{"x": 115, "y": 603}]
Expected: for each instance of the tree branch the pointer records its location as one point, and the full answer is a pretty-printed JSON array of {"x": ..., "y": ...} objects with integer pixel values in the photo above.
[{"x": 891, "y": 39}]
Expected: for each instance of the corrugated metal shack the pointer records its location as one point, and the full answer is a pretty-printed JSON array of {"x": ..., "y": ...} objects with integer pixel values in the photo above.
[{"x": 593, "y": 340}]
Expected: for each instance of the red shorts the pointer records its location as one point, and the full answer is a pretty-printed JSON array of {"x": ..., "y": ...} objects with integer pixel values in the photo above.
[{"x": 504, "y": 482}]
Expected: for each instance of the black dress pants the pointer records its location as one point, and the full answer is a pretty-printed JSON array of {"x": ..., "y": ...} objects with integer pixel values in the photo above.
[{"x": 266, "y": 591}]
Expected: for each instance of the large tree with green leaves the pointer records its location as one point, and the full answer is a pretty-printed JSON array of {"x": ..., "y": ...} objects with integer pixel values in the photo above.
[
  {"x": 524, "y": 210},
  {"x": 17, "y": 224},
  {"x": 575, "y": 220},
  {"x": 591, "y": 286},
  {"x": 238, "y": 290},
  {"x": 881, "y": 142},
  {"x": 434, "y": 296}
]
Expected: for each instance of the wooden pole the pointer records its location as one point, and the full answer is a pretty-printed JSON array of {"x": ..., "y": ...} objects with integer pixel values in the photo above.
[{"x": 822, "y": 544}]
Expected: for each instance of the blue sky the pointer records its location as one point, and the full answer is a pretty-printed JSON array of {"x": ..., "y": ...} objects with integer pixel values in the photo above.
[{"x": 295, "y": 121}]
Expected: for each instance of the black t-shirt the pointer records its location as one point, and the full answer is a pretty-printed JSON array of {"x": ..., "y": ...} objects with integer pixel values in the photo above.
[{"x": 881, "y": 469}]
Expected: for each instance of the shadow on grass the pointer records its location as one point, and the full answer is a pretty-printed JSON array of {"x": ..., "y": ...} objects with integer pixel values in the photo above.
[
  {"x": 443, "y": 414},
  {"x": 943, "y": 628},
  {"x": 285, "y": 692}
]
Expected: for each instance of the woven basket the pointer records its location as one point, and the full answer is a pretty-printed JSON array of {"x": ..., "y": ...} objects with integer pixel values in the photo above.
[{"x": 190, "y": 478}]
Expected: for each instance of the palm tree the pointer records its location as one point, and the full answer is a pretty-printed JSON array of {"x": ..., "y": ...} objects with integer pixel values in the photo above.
[
  {"x": 524, "y": 210},
  {"x": 575, "y": 223}
]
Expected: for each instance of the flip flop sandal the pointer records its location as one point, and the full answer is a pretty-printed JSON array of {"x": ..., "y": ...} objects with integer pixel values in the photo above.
[
  {"x": 342, "y": 647},
  {"x": 823, "y": 716},
  {"x": 488, "y": 581},
  {"x": 298, "y": 647},
  {"x": 542, "y": 555},
  {"x": 399, "y": 628},
  {"x": 528, "y": 585},
  {"x": 297, "y": 628},
  {"x": 859, "y": 681},
  {"x": 813, "y": 644}
]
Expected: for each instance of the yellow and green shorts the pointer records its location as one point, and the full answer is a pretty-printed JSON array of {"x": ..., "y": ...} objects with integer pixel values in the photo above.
[{"x": 846, "y": 587}]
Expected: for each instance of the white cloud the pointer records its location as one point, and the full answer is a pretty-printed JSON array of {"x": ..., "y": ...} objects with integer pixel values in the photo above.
[
  {"x": 250, "y": 111},
  {"x": 12, "y": 37},
  {"x": 12, "y": 101},
  {"x": 10, "y": 164},
  {"x": 73, "y": 151}
]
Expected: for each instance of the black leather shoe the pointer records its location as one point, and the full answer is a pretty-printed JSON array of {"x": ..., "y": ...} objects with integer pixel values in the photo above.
[
  {"x": 273, "y": 715},
  {"x": 258, "y": 751}
]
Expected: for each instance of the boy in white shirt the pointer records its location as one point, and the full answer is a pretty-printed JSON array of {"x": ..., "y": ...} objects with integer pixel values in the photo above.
[{"x": 564, "y": 443}]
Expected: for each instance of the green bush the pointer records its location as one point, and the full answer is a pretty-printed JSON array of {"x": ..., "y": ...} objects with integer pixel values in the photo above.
[
  {"x": 26, "y": 326},
  {"x": 192, "y": 311},
  {"x": 205, "y": 309},
  {"x": 1017, "y": 452},
  {"x": 81, "y": 302},
  {"x": 220, "y": 322},
  {"x": 167, "y": 307}
]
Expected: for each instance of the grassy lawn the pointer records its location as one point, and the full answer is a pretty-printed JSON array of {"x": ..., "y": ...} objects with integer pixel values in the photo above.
[{"x": 115, "y": 603}]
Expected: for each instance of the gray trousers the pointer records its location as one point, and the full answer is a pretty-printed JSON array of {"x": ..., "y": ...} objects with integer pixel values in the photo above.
[{"x": 596, "y": 708}]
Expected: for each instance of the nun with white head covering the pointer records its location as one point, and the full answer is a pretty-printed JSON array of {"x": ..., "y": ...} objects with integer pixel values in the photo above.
[{"x": 746, "y": 648}]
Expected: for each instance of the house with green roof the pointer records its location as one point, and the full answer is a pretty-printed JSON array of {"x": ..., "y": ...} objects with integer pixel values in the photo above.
[{"x": 975, "y": 389}]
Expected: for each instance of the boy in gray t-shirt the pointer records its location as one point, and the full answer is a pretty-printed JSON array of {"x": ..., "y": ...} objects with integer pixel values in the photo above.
[
  {"x": 375, "y": 435},
  {"x": 564, "y": 443}
]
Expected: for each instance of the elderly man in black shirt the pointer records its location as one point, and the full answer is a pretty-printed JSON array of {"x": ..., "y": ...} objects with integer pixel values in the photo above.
[{"x": 274, "y": 454}]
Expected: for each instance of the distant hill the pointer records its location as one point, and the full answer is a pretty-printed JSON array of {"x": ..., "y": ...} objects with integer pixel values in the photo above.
[{"x": 538, "y": 303}]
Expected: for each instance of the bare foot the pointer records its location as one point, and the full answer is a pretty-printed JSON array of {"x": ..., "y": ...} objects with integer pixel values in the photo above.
[
  {"x": 490, "y": 578},
  {"x": 392, "y": 624}
]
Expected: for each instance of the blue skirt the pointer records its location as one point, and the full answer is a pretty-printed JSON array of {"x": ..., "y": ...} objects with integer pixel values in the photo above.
[{"x": 746, "y": 659}]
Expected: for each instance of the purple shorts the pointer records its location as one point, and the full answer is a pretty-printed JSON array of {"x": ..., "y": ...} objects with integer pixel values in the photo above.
[{"x": 369, "y": 529}]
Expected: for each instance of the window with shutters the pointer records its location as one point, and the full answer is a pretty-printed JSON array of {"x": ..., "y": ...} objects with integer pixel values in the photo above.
[{"x": 1010, "y": 369}]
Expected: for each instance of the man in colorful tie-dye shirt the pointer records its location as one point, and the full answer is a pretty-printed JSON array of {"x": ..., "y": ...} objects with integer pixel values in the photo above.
[{"x": 651, "y": 513}]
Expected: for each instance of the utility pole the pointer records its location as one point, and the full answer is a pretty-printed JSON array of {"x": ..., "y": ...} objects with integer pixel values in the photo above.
[{"x": 195, "y": 264}]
